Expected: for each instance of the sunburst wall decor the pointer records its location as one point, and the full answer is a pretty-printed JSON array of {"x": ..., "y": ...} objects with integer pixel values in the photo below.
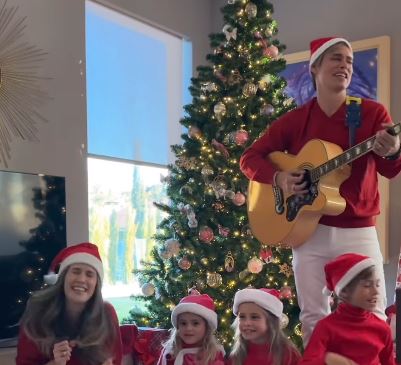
[{"x": 20, "y": 91}]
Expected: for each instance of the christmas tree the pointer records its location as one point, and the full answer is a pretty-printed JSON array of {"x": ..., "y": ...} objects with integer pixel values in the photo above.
[{"x": 205, "y": 241}]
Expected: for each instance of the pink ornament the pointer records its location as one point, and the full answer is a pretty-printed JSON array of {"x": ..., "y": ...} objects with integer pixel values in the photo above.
[
  {"x": 255, "y": 265},
  {"x": 241, "y": 137},
  {"x": 266, "y": 255},
  {"x": 206, "y": 234},
  {"x": 223, "y": 231},
  {"x": 184, "y": 263},
  {"x": 286, "y": 292},
  {"x": 271, "y": 51},
  {"x": 239, "y": 199}
]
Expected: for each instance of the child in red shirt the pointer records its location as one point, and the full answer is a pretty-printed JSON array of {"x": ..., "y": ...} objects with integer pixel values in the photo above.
[
  {"x": 258, "y": 335},
  {"x": 352, "y": 334},
  {"x": 192, "y": 340}
]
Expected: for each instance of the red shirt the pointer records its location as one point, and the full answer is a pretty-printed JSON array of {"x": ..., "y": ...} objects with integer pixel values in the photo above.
[
  {"x": 28, "y": 352},
  {"x": 354, "y": 333},
  {"x": 294, "y": 129},
  {"x": 259, "y": 354}
]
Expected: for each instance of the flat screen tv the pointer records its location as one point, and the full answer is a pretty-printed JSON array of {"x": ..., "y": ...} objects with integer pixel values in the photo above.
[{"x": 32, "y": 231}]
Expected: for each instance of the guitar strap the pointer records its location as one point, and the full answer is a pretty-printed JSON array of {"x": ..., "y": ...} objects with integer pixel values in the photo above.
[{"x": 353, "y": 116}]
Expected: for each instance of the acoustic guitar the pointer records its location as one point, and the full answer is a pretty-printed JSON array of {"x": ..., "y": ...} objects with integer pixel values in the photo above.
[{"x": 277, "y": 218}]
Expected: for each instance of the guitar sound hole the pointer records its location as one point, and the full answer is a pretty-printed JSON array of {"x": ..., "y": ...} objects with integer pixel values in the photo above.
[{"x": 296, "y": 202}]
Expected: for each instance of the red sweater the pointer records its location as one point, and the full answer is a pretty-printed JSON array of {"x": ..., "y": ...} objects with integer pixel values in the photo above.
[
  {"x": 354, "y": 333},
  {"x": 29, "y": 354},
  {"x": 259, "y": 354},
  {"x": 294, "y": 129}
]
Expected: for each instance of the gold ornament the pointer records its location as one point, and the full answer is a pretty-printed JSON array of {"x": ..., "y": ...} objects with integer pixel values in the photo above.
[
  {"x": 249, "y": 89},
  {"x": 243, "y": 274},
  {"x": 234, "y": 78},
  {"x": 229, "y": 262},
  {"x": 286, "y": 270},
  {"x": 207, "y": 170},
  {"x": 219, "y": 110},
  {"x": 251, "y": 10},
  {"x": 298, "y": 330},
  {"x": 214, "y": 280},
  {"x": 204, "y": 261},
  {"x": 264, "y": 82}
]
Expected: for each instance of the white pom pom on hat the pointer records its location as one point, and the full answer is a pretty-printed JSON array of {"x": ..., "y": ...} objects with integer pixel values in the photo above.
[{"x": 82, "y": 253}]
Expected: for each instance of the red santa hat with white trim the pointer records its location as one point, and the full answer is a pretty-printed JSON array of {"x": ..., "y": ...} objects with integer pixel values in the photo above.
[
  {"x": 340, "y": 271},
  {"x": 268, "y": 299},
  {"x": 320, "y": 45},
  {"x": 82, "y": 253},
  {"x": 200, "y": 304}
]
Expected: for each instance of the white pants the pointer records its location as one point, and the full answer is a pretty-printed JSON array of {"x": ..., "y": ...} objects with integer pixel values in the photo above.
[{"x": 308, "y": 265}]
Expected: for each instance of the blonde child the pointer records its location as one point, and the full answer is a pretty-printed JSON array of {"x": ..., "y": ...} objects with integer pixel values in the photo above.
[
  {"x": 192, "y": 341},
  {"x": 352, "y": 334},
  {"x": 258, "y": 335}
]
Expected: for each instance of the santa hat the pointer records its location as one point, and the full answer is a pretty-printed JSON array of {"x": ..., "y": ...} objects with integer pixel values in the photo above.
[
  {"x": 344, "y": 268},
  {"x": 266, "y": 298},
  {"x": 200, "y": 304},
  {"x": 82, "y": 253},
  {"x": 318, "y": 46}
]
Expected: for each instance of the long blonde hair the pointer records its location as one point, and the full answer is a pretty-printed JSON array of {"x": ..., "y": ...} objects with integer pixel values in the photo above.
[
  {"x": 45, "y": 323},
  {"x": 208, "y": 349},
  {"x": 281, "y": 349}
]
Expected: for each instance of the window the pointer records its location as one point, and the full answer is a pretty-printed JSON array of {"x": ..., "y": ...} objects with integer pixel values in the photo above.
[{"x": 137, "y": 82}]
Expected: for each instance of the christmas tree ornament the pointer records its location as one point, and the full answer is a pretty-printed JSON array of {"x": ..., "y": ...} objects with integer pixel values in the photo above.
[
  {"x": 208, "y": 87},
  {"x": 229, "y": 262},
  {"x": 249, "y": 89},
  {"x": 214, "y": 279},
  {"x": 230, "y": 32},
  {"x": 235, "y": 77},
  {"x": 221, "y": 148},
  {"x": 148, "y": 289},
  {"x": 266, "y": 109},
  {"x": 172, "y": 246},
  {"x": 264, "y": 82},
  {"x": 219, "y": 110},
  {"x": 200, "y": 284},
  {"x": 194, "y": 132},
  {"x": 255, "y": 265},
  {"x": 207, "y": 170},
  {"x": 286, "y": 292},
  {"x": 266, "y": 254},
  {"x": 229, "y": 194},
  {"x": 271, "y": 51},
  {"x": 243, "y": 274},
  {"x": 184, "y": 263},
  {"x": 286, "y": 270},
  {"x": 284, "y": 321},
  {"x": 204, "y": 261},
  {"x": 185, "y": 190},
  {"x": 165, "y": 255},
  {"x": 239, "y": 199},
  {"x": 206, "y": 234},
  {"x": 218, "y": 206},
  {"x": 268, "y": 32},
  {"x": 192, "y": 223},
  {"x": 289, "y": 102},
  {"x": 223, "y": 231},
  {"x": 251, "y": 10},
  {"x": 241, "y": 137}
]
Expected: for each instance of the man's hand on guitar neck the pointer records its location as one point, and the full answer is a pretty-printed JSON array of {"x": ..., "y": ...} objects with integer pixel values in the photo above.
[
  {"x": 386, "y": 144},
  {"x": 291, "y": 182}
]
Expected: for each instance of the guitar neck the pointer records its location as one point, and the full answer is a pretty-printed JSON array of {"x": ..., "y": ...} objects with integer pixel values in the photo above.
[{"x": 349, "y": 155}]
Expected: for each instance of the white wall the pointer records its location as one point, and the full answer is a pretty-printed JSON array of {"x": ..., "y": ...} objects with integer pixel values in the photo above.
[
  {"x": 58, "y": 27},
  {"x": 301, "y": 21}
]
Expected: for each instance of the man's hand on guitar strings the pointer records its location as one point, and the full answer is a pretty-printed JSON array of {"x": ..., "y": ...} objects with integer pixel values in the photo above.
[
  {"x": 291, "y": 182},
  {"x": 385, "y": 144}
]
